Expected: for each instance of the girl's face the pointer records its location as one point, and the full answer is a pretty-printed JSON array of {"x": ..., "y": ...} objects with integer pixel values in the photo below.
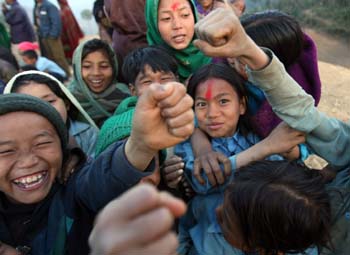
[
  {"x": 30, "y": 156},
  {"x": 97, "y": 71},
  {"x": 176, "y": 23},
  {"x": 43, "y": 92},
  {"x": 218, "y": 108},
  {"x": 206, "y": 4}
]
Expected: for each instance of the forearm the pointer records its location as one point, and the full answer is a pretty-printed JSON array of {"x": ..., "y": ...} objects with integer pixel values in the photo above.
[
  {"x": 200, "y": 143},
  {"x": 138, "y": 155},
  {"x": 258, "y": 151}
]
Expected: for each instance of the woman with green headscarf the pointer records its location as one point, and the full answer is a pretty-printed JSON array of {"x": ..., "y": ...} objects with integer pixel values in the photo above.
[
  {"x": 170, "y": 23},
  {"x": 94, "y": 85}
]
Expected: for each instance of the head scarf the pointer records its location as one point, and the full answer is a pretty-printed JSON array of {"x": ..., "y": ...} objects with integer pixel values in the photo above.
[
  {"x": 102, "y": 105},
  {"x": 190, "y": 58},
  {"x": 83, "y": 116}
]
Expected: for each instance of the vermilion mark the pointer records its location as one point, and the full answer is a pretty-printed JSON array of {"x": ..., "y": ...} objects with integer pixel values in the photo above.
[
  {"x": 175, "y": 6},
  {"x": 208, "y": 94}
]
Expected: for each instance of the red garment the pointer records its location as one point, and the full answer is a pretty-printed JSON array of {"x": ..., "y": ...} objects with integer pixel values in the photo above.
[{"x": 71, "y": 32}]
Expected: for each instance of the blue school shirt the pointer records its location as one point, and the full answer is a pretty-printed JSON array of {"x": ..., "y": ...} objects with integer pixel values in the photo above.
[{"x": 199, "y": 231}]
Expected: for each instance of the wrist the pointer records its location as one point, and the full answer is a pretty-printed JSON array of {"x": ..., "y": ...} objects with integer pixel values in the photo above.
[
  {"x": 138, "y": 154},
  {"x": 254, "y": 57}
]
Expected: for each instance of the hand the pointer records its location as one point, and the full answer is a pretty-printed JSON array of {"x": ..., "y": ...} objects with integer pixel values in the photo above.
[
  {"x": 7, "y": 250},
  {"x": 210, "y": 163},
  {"x": 226, "y": 37},
  {"x": 138, "y": 222},
  {"x": 283, "y": 139},
  {"x": 292, "y": 154},
  {"x": 172, "y": 171},
  {"x": 163, "y": 118}
]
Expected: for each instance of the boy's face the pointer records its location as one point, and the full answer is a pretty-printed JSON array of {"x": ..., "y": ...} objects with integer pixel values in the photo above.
[
  {"x": 28, "y": 61},
  {"x": 147, "y": 77},
  {"x": 218, "y": 108},
  {"x": 30, "y": 156}
]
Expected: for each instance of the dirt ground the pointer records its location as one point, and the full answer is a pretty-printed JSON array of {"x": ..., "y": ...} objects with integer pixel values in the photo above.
[{"x": 334, "y": 67}]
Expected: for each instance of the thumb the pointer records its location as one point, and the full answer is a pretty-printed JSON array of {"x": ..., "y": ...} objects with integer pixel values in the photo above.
[{"x": 155, "y": 93}]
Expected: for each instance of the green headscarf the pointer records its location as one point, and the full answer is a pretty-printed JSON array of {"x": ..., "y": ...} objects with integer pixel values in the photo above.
[
  {"x": 191, "y": 58},
  {"x": 4, "y": 37},
  {"x": 102, "y": 105}
]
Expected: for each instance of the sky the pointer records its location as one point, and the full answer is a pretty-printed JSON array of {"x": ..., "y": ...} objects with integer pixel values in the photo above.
[{"x": 77, "y": 6}]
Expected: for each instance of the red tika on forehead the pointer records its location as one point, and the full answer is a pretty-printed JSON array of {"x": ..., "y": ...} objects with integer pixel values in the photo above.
[
  {"x": 208, "y": 94},
  {"x": 175, "y": 6}
]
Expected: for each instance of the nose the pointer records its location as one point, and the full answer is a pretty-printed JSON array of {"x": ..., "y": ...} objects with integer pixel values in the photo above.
[
  {"x": 177, "y": 24},
  {"x": 95, "y": 70},
  {"x": 213, "y": 111},
  {"x": 27, "y": 160}
]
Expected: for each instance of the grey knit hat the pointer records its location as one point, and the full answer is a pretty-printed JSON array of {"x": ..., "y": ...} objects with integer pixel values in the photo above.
[{"x": 25, "y": 103}]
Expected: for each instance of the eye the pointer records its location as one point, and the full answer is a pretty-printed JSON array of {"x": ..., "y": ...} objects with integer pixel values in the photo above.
[
  {"x": 86, "y": 66},
  {"x": 167, "y": 78},
  {"x": 200, "y": 104},
  {"x": 146, "y": 82},
  {"x": 185, "y": 15},
  {"x": 5, "y": 152},
  {"x": 105, "y": 66},
  {"x": 165, "y": 18},
  {"x": 224, "y": 101},
  {"x": 51, "y": 101},
  {"x": 43, "y": 144}
]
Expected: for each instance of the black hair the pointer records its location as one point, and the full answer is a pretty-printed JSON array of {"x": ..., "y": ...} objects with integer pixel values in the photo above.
[
  {"x": 100, "y": 45},
  {"x": 277, "y": 31},
  {"x": 156, "y": 57},
  {"x": 28, "y": 68},
  {"x": 30, "y": 54},
  {"x": 27, "y": 79},
  {"x": 228, "y": 74},
  {"x": 278, "y": 206}
]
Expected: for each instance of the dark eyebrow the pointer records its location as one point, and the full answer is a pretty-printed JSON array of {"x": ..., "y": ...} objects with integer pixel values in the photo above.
[
  {"x": 217, "y": 96},
  {"x": 180, "y": 9}
]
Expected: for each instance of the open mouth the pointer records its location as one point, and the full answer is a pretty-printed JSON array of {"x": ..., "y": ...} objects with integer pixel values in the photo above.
[
  {"x": 31, "y": 182},
  {"x": 214, "y": 126},
  {"x": 179, "y": 38}
]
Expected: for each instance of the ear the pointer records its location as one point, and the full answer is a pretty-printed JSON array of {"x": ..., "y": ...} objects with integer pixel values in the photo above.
[
  {"x": 243, "y": 105},
  {"x": 132, "y": 89}
]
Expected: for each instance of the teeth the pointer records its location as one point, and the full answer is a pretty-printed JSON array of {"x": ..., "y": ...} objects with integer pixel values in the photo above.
[{"x": 30, "y": 180}]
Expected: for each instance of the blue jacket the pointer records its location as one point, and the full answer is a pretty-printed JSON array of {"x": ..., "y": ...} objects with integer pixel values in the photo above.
[
  {"x": 49, "y": 20},
  {"x": 66, "y": 214},
  {"x": 20, "y": 27}
]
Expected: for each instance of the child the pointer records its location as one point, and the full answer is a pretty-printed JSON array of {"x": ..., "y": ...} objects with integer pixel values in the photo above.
[
  {"x": 81, "y": 127},
  {"x": 30, "y": 57},
  {"x": 141, "y": 67},
  {"x": 95, "y": 85},
  {"x": 328, "y": 137},
  {"x": 41, "y": 216},
  {"x": 276, "y": 207},
  {"x": 170, "y": 23},
  {"x": 221, "y": 113}
]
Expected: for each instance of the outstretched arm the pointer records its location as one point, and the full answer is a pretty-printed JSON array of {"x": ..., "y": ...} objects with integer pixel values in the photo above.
[{"x": 327, "y": 137}]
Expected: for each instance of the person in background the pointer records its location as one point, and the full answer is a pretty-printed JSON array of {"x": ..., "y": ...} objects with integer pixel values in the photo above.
[
  {"x": 105, "y": 29},
  {"x": 21, "y": 28},
  {"x": 4, "y": 37},
  {"x": 95, "y": 83},
  {"x": 30, "y": 57},
  {"x": 49, "y": 27},
  {"x": 71, "y": 31}
]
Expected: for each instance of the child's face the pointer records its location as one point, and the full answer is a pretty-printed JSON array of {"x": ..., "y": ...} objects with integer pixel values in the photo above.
[
  {"x": 97, "y": 71},
  {"x": 176, "y": 23},
  {"x": 43, "y": 92},
  {"x": 218, "y": 108},
  {"x": 28, "y": 61},
  {"x": 206, "y": 4},
  {"x": 147, "y": 77},
  {"x": 30, "y": 156}
]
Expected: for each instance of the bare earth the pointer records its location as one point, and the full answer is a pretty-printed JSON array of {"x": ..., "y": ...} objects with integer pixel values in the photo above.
[{"x": 334, "y": 67}]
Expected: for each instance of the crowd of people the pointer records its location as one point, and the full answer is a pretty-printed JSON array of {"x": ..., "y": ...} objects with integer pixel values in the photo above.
[{"x": 183, "y": 129}]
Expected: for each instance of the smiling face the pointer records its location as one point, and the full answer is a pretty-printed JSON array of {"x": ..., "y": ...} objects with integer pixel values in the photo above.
[
  {"x": 218, "y": 108},
  {"x": 30, "y": 156},
  {"x": 97, "y": 71},
  {"x": 176, "y": 23},
  {"x": 43, "y": 92},
  {"x": 147, "y": 77}
]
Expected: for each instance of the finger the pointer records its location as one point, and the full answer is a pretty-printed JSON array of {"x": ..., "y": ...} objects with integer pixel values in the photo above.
[
  {"x": 226, "y": 163},
  {"x": 176, "y": 206},
  {"x": 155, "y": 93},
  {"x": 137, "y": 232},
  {"x": 173, "y": 168},
  {"x": 197, "y": 167},
  {"x": 172, "y": 160},
  {"x": 174, "y": 175},
  {"x": 185, "y": 102},
  {"x": 210, "y": 174},
  {"x": 180, "y": 120},
  {"x": 177, "y": 95},
  {"x": 173, "y": 184},
  {"x": 218, "y": 175},
  {"x": 210, "y": 50},
  {"x": 215, "y": 168},
  {"x": 183, "y": 132}
]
